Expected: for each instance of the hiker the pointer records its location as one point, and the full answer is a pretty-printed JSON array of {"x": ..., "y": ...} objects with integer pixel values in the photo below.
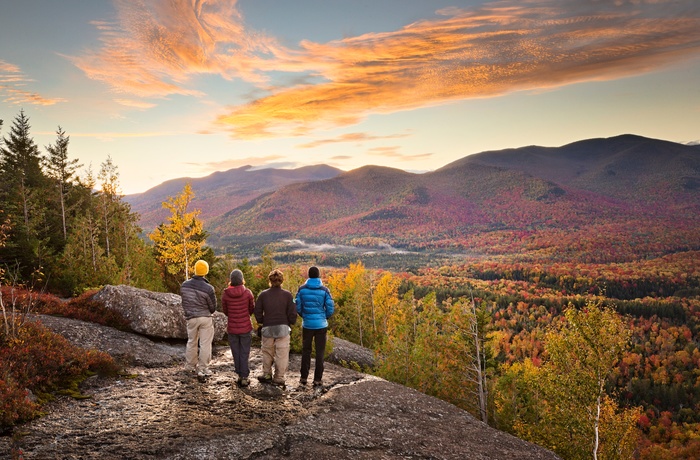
[
  {"x": 315, "y": 305},
  {"x": 275, "y": 312},
  {"x": 198, "y": 303},
  {"x": 238, "y": 303}
]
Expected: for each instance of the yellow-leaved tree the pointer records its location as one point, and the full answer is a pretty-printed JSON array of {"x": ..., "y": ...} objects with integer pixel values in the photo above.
[
  {"x": 179, "y": 242},
  {"x": 563, "y": 404}
]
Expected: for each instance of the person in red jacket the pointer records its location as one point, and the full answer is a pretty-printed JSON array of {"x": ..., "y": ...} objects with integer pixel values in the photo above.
[{"x": 238, "y": 304}]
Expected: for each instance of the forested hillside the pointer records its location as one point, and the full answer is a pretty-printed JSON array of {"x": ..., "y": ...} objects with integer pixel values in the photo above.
[
  {"x": 222, "y": 191},
  {"x": 602, "y": 200}
]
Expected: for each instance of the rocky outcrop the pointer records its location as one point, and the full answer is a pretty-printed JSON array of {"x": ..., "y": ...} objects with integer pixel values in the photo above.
[
  {"x": 126, "y": 348},
  {"x": 155, "y": 314},
  {"x": 351, "y": 355},
  {"x": 166, "y": 413}
]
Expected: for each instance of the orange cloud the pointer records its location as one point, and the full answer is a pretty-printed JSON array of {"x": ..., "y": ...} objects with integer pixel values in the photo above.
[
  {"x": 154, "y": 48},
  {"x": 499, "y": 48},
  {"x": 349, "y": 137},
  {"x": 394, "y": 152},
  {"x": 253, "y": 162},
  {"x": 11, "y": 82}
]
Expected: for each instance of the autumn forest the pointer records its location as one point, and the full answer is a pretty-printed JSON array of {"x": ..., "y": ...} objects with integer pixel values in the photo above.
[{"x": 554, "y": 294}]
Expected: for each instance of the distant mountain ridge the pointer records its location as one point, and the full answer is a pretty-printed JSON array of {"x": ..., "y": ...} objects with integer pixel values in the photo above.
[
  {"x": 222, "y": 191},
  {"x": 604, "y": 197}
]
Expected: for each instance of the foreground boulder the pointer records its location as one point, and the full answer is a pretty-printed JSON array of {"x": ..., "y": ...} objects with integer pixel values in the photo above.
[{"x": 156, "y": 314}]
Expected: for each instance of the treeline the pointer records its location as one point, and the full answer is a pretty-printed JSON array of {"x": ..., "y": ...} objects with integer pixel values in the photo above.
[
  {"x": 555, "y": 388},
  {"x": 68, "y": 229},
  {"x": 658, "y": 369}
]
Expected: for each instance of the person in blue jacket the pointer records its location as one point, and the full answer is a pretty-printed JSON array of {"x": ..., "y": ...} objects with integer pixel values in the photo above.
[{"x": 315, "y": 305}]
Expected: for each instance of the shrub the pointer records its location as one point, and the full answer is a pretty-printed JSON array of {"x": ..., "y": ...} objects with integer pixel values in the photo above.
[
  {"x": 85, "y": 308},
  {"x": 39, "y": 361}
]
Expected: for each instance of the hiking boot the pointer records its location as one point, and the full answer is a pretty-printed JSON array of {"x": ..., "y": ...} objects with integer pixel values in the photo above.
[
  {"x": 265, "y": 378},
  {"x": 243, "y": 382},
  {"x": 318, "y": 383},
  {"x": 302, "y": 381},
  {"x": 203, "y": 374},
  {"x": 279, "y": 383}
]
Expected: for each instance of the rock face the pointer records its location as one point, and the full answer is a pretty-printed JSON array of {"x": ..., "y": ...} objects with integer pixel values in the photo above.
[
  {"x": 156, "y": 314},
  {"x": 163, "y": 412}
]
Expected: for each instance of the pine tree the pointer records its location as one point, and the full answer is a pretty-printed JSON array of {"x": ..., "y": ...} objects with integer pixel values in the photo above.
[
  {"x": 62, "y": 171},
  {"x": 22, "y": 186}
]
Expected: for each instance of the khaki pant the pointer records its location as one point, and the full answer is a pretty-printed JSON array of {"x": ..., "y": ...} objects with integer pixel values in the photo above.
[
  {"x": 277, "y": 351},
  {"x": 200, "y": 331}
]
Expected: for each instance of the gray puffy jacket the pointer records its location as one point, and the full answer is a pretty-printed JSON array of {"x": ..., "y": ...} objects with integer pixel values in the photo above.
[{"x": 198, "y": 297}]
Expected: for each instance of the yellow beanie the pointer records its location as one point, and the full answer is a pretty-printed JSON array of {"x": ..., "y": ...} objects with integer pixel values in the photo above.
[{"x": 201, "y": 268}]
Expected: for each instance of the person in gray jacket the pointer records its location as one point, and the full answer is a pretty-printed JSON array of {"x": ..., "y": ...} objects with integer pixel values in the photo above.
[{"x": 198, "y": 303}]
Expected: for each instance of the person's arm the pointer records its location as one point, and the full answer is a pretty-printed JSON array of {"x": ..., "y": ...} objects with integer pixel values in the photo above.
[
  {"x": 297, "y": 301},
  {"x": 259, "y": 310},
  {"x": 329, "y": 304},
  {"x": 251, "y": 302},
  {"x": 224, "y": 304},
  {"x": 212, "y": 300},
  {"x": 291, "y": 310}
]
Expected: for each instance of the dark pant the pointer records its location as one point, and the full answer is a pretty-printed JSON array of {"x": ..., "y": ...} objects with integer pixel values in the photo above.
[
  {"x": 240, "y": 350},
  {"x": 309, "y": 335}
]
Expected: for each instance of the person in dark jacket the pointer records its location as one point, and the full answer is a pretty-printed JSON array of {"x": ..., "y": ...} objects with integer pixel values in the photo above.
[
  {"x": 275, "y": 311},
  {"x": 198, "y": 303},
  {"x": 315, "y": 305},
  {"x": 238, "y": 304}
]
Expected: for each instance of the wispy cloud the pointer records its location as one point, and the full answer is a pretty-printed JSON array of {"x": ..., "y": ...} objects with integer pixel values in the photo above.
[
  {"x": 110, "y": 136},
  {"x": 349, "y": 137},
  {"x": 135, "y": 104},
  {"x": 395, "y": 152},
  {"x": 502, "y": 47},
  {"x": 12, "y": 82},
  {"x": 155, "y": 48},
  {"x": 158, "y": 48},
  {"x": 269, "y": 161}
]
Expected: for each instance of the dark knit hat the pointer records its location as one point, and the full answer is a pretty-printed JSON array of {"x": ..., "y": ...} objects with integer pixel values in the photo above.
[
  {"x": 237, "y": 278},
  {"x": 314, "y": 272}
]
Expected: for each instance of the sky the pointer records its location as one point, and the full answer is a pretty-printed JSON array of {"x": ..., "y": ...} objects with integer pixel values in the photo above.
[{"x": 177, "y": 88}]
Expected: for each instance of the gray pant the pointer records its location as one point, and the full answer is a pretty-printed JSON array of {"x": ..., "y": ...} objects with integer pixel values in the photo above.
[{"x": 240, "y": 351}]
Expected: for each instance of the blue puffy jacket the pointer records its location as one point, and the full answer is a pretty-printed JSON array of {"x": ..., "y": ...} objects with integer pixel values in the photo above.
[{"x": 314, "y": 304}]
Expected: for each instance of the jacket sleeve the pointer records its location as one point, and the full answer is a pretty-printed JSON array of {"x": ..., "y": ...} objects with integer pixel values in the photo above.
[
  {"x": 329, "y": 304},
  {"x": 297, "y": 300},
  {"x": 251, "y": 303},
  {"x": 291, "y": 310},
  {"x": 212, "y": 300},
  {"x": 224, "y": 305},
  {"x": 258, "y": 311}
]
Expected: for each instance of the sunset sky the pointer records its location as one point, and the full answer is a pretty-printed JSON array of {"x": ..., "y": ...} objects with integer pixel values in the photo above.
[{"x": 178, "y": 88}]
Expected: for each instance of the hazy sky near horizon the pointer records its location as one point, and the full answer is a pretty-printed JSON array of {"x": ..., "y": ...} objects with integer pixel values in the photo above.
[{"x": 176, "y": 88}]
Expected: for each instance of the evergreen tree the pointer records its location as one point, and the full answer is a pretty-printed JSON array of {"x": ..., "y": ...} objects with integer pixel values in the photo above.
[
  {"x": 62, "y": 172},
  {"x": 23, "y": 185}
]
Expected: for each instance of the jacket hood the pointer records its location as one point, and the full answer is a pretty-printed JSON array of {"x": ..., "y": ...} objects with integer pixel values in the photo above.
[
  {"x": 314, "y": 282},
  {"x": 235, "y": 291}
]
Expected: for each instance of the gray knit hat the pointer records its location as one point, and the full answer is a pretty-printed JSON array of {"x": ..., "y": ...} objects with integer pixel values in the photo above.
[{"x": 237, "y": 278}]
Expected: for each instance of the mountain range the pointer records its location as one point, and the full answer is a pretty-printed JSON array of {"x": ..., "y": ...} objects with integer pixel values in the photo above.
[{"x": 640, "y": 194}]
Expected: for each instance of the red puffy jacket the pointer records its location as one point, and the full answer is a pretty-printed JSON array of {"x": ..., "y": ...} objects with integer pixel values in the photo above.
[{"x": 238, "y": 304}]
